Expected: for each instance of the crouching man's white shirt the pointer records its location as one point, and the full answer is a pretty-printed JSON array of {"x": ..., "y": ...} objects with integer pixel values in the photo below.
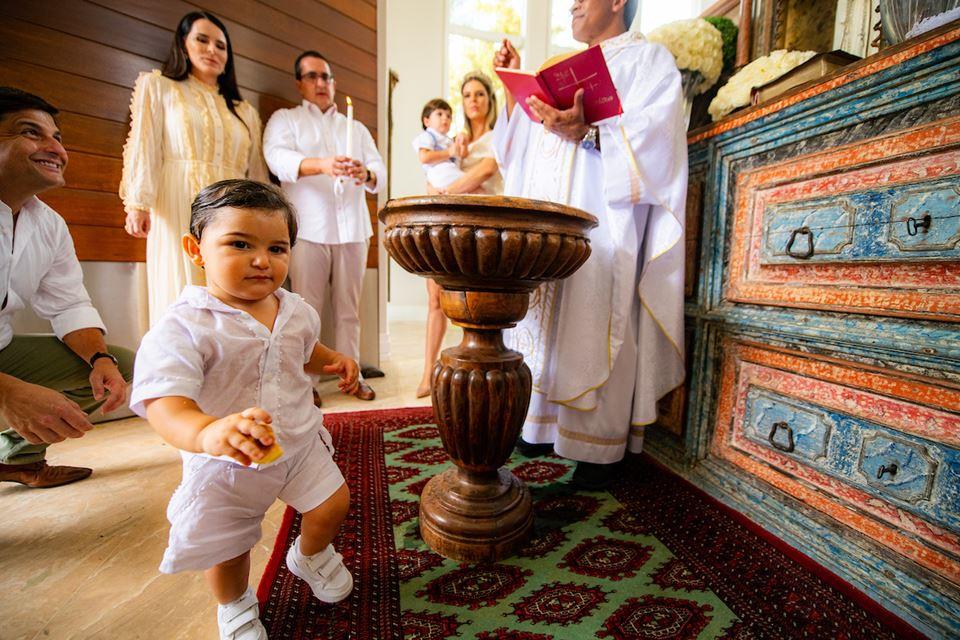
[{"x": 39, "y": 267}]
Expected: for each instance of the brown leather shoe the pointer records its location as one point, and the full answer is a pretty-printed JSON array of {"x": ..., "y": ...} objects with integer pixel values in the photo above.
[
  {"x": 40, "y": 475},
  {"x": 365, "y": 391}
]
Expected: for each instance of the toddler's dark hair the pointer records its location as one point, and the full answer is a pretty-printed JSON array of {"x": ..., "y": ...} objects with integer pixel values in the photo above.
[
  {"x": 239, "y": 194},
  {"x": 433, "y": 105}
]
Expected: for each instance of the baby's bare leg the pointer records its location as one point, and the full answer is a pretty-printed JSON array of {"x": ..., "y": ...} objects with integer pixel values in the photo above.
[
  {"x": 229, "y": 580},
  {"x": 319, "y": 526}
]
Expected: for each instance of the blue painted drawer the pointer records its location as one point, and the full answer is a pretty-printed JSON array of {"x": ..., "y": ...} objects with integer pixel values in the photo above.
[
  {"x": 918, "y": 475},
  {"x": 797, "y": 428},
  {"x": 919, "y": 221},
  {"x": 871, "y": 228},
  {"x": 878, "y": 452}
]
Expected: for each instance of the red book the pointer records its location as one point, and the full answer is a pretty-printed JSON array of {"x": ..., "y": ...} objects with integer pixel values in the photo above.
[{"x": 558, "y": 80}]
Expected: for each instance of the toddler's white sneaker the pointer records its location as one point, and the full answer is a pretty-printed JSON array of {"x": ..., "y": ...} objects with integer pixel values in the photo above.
[
  {"x": 328, "y": 578},
  {"x": 240, "y": 619}
]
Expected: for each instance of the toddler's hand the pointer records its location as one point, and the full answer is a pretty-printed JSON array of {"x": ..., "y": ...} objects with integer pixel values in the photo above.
[
  {"x": 246, "y": 436},
  {"x": 348, "y": 371}
]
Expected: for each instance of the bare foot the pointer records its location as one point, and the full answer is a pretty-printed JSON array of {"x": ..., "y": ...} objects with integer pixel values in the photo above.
[{"x": 423, "y": 390}]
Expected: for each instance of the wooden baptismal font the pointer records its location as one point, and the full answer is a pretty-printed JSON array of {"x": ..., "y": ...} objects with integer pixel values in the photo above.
[{"x": 487, "y": 254}]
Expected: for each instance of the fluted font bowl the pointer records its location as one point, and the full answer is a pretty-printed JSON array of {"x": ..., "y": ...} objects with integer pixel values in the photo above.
[{"x": 491, "y": 242}]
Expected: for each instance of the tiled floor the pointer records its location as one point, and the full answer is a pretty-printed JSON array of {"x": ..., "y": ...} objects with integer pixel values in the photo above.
[{"x": 81, "y": 561}]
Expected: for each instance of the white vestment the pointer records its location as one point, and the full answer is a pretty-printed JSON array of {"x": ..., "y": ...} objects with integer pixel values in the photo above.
[{"x": 605, "y": 344}]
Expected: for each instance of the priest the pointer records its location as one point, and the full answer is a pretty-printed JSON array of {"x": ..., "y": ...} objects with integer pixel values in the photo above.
[{"x": 604, "y": 345}]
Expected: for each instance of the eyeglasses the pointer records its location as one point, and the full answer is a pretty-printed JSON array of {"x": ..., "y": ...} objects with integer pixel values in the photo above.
[{"x": 313, "y": 76}]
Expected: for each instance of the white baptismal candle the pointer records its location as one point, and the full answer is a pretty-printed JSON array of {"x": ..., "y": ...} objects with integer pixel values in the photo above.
[{"x": 348, "y": 150}]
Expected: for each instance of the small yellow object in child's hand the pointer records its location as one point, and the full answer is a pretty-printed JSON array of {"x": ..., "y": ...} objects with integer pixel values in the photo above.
[{"x": 273, "y": 454}]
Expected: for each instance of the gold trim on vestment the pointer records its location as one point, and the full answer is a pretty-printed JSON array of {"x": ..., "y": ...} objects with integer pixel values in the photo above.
[
  {"x": 663, "y": 395},
  {"x": 582, "y": 437},
  {"x": 636, "y": 168},
  {"x": 605, "y": 380},
  {"x": 573, "y": 163},
  {"x": 660, "y": 326},
  {"x": 542, "y": 419}
]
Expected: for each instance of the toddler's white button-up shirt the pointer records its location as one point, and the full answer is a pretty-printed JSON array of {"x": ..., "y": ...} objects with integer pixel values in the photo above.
[{"x": 226, "y": 361}]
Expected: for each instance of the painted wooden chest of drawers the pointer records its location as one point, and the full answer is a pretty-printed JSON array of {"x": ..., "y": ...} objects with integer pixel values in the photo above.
[{"x": 823, "y": 307}]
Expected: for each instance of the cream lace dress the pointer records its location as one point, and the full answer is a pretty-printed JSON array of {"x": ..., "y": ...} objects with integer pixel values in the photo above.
[{"x": 182, "y": 138}]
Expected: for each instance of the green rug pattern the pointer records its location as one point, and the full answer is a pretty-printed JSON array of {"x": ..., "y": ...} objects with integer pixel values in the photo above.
[{"x": 581, "y": 576}]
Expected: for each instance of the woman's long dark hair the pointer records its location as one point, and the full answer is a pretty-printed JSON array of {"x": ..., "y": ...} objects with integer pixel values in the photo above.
[{"x": 177, "y": 65}]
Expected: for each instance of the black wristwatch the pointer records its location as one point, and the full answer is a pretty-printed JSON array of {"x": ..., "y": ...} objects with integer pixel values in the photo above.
[{"x": 102, "y": 354}]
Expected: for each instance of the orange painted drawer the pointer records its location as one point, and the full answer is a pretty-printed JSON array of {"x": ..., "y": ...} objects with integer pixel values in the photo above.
[
  {"x": 871, "y": 228},
  {"x": 877, "y": 452}
]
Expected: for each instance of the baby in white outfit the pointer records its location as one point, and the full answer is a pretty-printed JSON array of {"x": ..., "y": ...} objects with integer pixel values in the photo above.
[
  {"x": 225, "y": 376},
  {"x": 438, "y": 153}
]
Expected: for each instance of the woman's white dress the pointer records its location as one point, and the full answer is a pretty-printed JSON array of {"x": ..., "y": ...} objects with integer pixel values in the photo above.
[{"x": 182, "y": 139}]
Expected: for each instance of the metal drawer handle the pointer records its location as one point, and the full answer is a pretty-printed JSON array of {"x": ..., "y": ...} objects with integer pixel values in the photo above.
[
  {"x": 913, "y": 225},
  {"x": 793, "y": 237},
  {"x": 788, "y": 448},
  {"x": 887, "y": 468}
]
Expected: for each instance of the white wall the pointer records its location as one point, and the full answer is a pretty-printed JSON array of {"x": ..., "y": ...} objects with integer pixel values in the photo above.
[
  {"x": 113, "y": 290},
  {"x": 415, "y": 32},
  {"x": 654, "y": 13}
]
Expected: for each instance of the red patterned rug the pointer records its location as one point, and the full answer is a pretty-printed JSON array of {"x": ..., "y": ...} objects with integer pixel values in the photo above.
[
  {"x": 653, "y": 558},
  {"x": 287, "y": 606},
  {"x": 776, "y": 591}
]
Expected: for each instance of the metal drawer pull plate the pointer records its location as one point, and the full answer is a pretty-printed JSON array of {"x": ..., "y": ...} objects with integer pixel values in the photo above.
[
  {"x": 887, "y": 468},
  {"x": 787, "y": 448},
  {"x": 913, "y": 225},
  {"x": 793, "y": 237}
]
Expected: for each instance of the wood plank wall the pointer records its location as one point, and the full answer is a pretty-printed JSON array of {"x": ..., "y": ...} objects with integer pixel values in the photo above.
[{"x": 83, "y": 56}]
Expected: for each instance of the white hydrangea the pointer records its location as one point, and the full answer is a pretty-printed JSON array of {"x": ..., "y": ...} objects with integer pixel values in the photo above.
[
  {"x": 696, "y": 44},
  {"x": 736, "y": 93}
]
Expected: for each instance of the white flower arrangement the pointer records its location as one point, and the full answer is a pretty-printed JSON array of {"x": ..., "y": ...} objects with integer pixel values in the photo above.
[
  {"x": 736, "y": 93},
  {"x": 697, "y": 45}
]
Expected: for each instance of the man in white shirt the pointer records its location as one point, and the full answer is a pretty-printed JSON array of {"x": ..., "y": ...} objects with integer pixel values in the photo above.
[
  {"x": 305, "y": 147},
  {"x": 46, "y": 384}
]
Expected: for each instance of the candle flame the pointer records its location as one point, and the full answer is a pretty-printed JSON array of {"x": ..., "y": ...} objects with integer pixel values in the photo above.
[{"x": 349, "y": 101}]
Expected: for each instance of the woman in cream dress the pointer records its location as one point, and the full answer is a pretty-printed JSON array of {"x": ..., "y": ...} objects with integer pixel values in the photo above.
[
  {"x": 481, "y": 175},
  {"x": 189, "y": 129}
]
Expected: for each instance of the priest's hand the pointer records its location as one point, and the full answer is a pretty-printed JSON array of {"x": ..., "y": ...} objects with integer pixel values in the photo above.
[
  {"x": 137, "y": 223},
  {"x": 569, "y": 124},
  {"x": 506, "y": 56}
]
